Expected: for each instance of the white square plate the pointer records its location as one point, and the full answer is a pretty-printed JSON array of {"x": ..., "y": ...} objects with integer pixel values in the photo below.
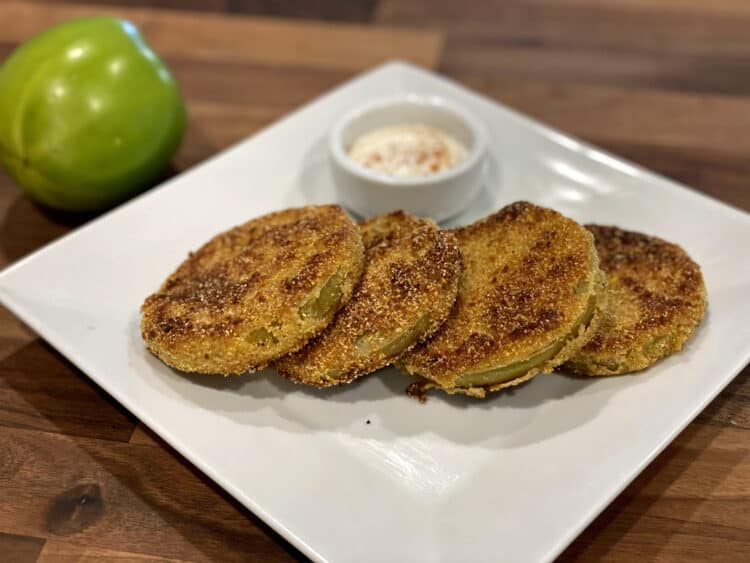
[{"x": 364, "y": 473}]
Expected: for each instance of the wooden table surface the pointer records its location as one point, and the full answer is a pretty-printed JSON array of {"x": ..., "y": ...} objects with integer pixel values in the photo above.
[{"x": 665, "y": 83}]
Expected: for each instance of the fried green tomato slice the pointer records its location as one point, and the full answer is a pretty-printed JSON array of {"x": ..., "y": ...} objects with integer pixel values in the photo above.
[
  {"x": 656, "y": 299},
  {"x": 529, "y": 297},
  {"x": 407, "y": 290},
  {"x": 256, "y": 292}
]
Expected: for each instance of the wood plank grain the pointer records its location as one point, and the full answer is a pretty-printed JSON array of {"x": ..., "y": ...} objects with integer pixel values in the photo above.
[
  {"x": 721, "y": 6},
  {"x": 656, "y": 44},
  {"x": 25, "y": 227},
  {"x": 191, "y": 5},
  {"x": 40, "y": 389},
  {"x": 657, "y": 117},
  {"x": 13, "y": 333},
  {"x": 690, "y": 503},
  {"x": 20, "y": 549},
  {"x": 253, "y": 86},
  {"x": 332, "y": 10},
  {"x": 129, "y": 498},
  {"x": 614, "y": 26},
  {"x": 733, "y": 408},
  {"x": 214, "y": 38},
  {"x": 674, "y": 133},
  {"x": 329, "y": 10},
  {"x": 229, "y": 101},
  {"x": 659, "y": 541},
  {"x": 144, "y": 436},
  {"x": 721, "y": 176},
  {"x": 61, "y": 551}
]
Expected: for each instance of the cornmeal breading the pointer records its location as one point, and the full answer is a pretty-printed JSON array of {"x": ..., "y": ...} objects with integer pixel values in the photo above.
[
  {"x": 255, "y": 292},
  {"x": 407, "y": 290},
  {"x": 656, "y": 298},
  {"x": 528, "y": 298}
]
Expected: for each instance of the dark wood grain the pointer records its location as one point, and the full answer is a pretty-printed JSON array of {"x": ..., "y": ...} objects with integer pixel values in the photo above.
[
  {"x": 20, "y": 549},
  {"x": 41, "y": 390},
  {"x": 211, "y": 38},
  {"x": 673, "y": 133},
  {"x": 331, "y": 10},
  {"x": 680, "y": 44},
  {"x": 690, "y": 504},
  {"x": 124, "y": 497},
  {"x": 192, "y": 5},
  {"x": 732, "y": 408},
  {"x": 665, "y": 83},
  {"x": 335, "y": 10}
]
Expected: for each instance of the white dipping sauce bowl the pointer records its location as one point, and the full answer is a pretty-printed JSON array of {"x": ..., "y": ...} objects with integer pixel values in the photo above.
[{"x": 441, "y": 195}]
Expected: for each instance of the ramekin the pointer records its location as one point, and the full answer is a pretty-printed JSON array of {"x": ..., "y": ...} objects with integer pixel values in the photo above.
[{"x": 441, "y": 195}]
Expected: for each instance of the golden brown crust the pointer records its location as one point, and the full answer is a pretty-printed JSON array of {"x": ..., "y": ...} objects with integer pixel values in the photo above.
[
  {"x": 235, "y": 304},
  {"x": 418, "y": 390},
  {"x": 656, "y": 298},
  {"x": 530, "y": 275},
  {"x": 408, "y": 287}
]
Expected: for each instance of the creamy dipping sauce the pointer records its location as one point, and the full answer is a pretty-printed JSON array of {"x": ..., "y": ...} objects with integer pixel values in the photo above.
[{"x": 407, "y": 150}]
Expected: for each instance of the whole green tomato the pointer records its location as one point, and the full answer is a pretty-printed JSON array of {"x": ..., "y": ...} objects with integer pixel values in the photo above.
[{"x": 89, "y": 115}]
